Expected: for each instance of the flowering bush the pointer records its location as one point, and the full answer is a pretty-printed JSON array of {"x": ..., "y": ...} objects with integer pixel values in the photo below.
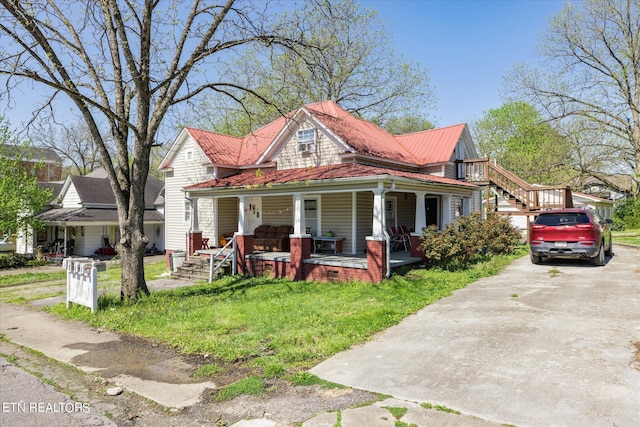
[{"x": 469, "y": 240}]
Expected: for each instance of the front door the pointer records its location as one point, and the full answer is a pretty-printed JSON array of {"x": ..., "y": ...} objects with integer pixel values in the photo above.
[{"x": 431, "y": 204}]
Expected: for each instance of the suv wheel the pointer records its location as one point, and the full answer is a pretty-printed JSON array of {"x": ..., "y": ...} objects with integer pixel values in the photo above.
[
  {"x": 536, "y": 259},
  {"x": 609, "y": 252},
  {"x": 599, "y": 259}
]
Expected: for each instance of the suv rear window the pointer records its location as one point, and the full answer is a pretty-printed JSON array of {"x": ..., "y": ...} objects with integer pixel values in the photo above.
[{"x": 563, "y": 219}]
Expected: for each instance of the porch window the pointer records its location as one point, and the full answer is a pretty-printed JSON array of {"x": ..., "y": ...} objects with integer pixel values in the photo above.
[
  {"x": 187, "y": 211},
  {"x": 306, "y": 140},
  {"x": 311, "y": 216}
]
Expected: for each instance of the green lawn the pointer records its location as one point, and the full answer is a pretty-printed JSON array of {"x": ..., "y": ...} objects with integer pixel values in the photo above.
[
  {"x": 19, "y": 288},
  {"x": 275, "y": 326},
  {"x": 631, "y": 237}
]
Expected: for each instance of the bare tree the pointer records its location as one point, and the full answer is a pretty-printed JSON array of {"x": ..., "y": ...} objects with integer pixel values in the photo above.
[
  {"x": 127, "y": 64},
  {"x": 72, "y": 143},
  {"x": 350, "y": 60},
  {"x": 592, "y": 79}
]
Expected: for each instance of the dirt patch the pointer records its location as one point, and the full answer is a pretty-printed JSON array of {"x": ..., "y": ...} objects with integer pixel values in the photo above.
[
  {"x": 282, "y": 402},
  {"x": 636, "y": 355},
  {"x": 148, "y": 360}
]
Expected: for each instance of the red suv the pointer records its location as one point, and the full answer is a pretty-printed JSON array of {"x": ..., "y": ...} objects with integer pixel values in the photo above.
[{"x": 570, "y": 233}]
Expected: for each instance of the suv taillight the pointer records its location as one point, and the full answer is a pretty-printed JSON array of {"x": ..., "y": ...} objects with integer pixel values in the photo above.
[{"x": 589, "y": 226}]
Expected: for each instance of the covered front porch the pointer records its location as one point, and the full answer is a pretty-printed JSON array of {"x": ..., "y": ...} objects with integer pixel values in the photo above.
[{"x": 355, "y": 215}]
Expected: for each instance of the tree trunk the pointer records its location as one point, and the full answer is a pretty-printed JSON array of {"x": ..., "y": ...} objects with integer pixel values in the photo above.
[{"x": 131, "y": 249}]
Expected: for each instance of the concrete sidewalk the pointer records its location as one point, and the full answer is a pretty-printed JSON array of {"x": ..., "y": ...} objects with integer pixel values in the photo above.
[{"x": 68, "y": 341}]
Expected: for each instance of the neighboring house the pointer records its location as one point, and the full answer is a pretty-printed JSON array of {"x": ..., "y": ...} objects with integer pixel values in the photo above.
[
  {"x": 50, "y": 162},
  {"x": 83, "y": 219},
  {"x": 599, "y": 189},
  {"x": 323, "y": 172},
  {"x": 604, "y": 207}
]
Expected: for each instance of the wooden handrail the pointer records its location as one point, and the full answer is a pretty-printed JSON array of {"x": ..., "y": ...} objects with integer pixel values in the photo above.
[{"x": 530, "y": 197}]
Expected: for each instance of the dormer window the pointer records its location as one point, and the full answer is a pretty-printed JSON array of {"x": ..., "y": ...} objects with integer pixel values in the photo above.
[{"x": 306, "y": 140}]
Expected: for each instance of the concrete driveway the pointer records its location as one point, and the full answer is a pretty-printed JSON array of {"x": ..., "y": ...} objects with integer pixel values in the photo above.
[{"x": 539, "y": 345}]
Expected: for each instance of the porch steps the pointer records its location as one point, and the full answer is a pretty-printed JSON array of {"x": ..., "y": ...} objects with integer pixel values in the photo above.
[{"x": 197, "y": 268}]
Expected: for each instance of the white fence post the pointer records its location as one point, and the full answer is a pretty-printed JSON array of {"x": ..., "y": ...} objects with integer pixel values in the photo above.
[{"x": 82, "y": 281}]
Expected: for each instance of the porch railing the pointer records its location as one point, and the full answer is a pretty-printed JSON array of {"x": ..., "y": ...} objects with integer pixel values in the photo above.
[
  {"x": 216, "y": 262},
  {"x": 524, "y": 196}
]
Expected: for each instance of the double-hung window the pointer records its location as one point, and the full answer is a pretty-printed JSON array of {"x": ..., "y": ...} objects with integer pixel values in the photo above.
[{"x": 306, "y": 140}]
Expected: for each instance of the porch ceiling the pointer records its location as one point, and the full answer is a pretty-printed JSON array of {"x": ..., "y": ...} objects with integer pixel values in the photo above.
[{"x": 331, "y": 175}]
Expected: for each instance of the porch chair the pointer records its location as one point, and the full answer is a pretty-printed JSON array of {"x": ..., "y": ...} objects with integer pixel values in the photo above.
[{"x": 399, "y": 239}]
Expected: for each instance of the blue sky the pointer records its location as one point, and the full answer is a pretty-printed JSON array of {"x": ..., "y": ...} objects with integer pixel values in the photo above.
[{"x": 467, "y": 46}]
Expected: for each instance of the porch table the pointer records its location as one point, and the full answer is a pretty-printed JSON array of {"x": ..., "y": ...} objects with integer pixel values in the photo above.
[{"x": 327, "y": 244}]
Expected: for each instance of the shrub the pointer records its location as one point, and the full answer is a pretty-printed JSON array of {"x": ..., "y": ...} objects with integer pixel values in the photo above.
[
  {"x": 13, "y": 261},
  {"x": 469, "y": 240},
  {"x": 626, "y": 213}
]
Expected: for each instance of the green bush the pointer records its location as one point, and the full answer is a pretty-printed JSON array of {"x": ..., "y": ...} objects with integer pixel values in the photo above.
[
  {"x": 626, "y": 214},
  {"x": 469, "y": 240},
  {"x": 13, "y": 261}
]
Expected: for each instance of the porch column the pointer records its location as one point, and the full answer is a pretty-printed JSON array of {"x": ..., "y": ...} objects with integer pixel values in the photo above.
[
  {"x": 377, "y": 243},
  {"x": 195, "y": 226},
  {"x": 298, "y": 214},
  {"x": 244, "y": 241},
  {"x": 216, "y": 231},
  {"x": 376, "y": 258},
  {"x": 378, "y": 213},
  {"x": 300, "y": 242},
  {"x": 420, "y": 223},
  {"x": 446, "y": 211}
]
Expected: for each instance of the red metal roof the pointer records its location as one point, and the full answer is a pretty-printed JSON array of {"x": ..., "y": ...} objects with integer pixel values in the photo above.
[
  {"x": 220, "y": 149},
  {"x": 364, "y": 137},
  {"x": 434, "y": 145},
  {"x": 330, "y": 172},
  {"x": 421, "y": 148}
]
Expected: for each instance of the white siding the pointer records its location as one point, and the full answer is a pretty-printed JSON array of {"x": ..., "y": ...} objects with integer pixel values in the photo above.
[
  {"x": 277, "y": 210},
  {"x": 92, "y": 240},
  {"x": 227, "y": 217},
  {"x": 406, "y": 209},
  {"x": 451, "y": 169},
  {"x": 327, "y": 152},
  {"x": 71, "y": 198},
  {"x": 364, "y": 222},
  {"x": 336, "y": 216},
  {"x": 184, "y": 173}
]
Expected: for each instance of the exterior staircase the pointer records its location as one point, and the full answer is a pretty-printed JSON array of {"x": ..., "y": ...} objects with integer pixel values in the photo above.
[
  {"x": 527, "y": 198},
  {"x": 197, "y": 268}
]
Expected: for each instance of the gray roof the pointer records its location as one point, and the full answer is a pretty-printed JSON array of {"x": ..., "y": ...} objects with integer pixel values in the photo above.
[
  {"x": 54, "y": 187},
  {"x": 35, "y": 153},
  {"x": 97, "y": 191},
  {"x": 84, "y": 215}
]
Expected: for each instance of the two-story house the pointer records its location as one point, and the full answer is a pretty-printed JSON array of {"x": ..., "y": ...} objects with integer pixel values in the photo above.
[{"x": 324, "y": 178}]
